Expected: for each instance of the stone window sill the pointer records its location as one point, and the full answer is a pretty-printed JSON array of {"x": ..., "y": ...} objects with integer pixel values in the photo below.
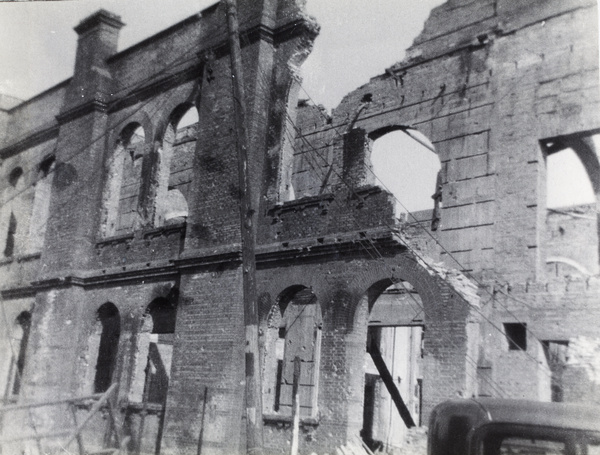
[
  {"x": 283, "y": 420},
  {"x": 20, "y": 258},
  {"x": 115, "y": 239},
  {"x": 150, "y": 408}
]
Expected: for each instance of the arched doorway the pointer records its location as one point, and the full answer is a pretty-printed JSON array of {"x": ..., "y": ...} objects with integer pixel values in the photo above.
[
  {"x": 292, "y": 353},
  {"x": 393, "y": 364}
]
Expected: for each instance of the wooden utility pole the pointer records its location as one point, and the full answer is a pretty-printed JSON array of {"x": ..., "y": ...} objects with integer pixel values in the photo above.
[
  {"x": 295, "y": 406},
  {"x": 254, "y": 423}
]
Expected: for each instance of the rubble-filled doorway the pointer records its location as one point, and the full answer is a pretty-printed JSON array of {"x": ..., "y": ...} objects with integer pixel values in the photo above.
[{"x": 393, "y": 367}]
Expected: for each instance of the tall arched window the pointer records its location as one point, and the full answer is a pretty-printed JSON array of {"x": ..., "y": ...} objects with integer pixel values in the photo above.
[
  {"x": 572, "y": 201},
  {"x": 110, "y": 323},
  {"x": 294, "y": 331},
  {"x": 155, "y": 350},
  {"x": 121, "y": 197},
  {"x": 41, "y": 204},
  {"x": 176, "y": 161}
]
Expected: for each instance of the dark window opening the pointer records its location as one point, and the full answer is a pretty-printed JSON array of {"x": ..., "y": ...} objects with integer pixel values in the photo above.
[
  {"x": 516, "y": 335},
  {"x": 15, "y": 175},
  {"x": 46, "y": 165},
  {"x": 163, "y": 312},
  {"x": 24, "y": 320},
  {"x": 9, "y": 249},
  {"x": 108, "y": 315}
]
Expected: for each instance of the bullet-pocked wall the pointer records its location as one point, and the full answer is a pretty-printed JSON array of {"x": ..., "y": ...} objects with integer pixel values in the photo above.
[{"x": 120, "y": 234}]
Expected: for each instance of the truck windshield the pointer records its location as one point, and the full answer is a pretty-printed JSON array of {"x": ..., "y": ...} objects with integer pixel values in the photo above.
[{"x": 538, "y": 441}]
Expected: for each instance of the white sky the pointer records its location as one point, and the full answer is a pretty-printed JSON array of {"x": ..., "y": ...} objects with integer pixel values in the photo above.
[{"x": 358, "y": 40}]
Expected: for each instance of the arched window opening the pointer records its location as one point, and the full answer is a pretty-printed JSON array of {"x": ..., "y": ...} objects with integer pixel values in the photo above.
[
  {"x": 567, "y": 182},
  {"x": 121, "y": 197},
  {"x": 155, "y": 351},
  {"x": 404, "y": 162},
  {"x": 176, "y": 167},
  {"x": 132, "y": 177},
  {"x": 294, "y": 332},
  {"x": 21, "y": 331},
  {"x": 110, "y": 321},
  {"x": 393, "y": 374},
  {"x": 160, "y": 350},
  {"x": 41, "y": 204},
  {"x": 572, "y": 201},
  {"x": 188, "y": 119},
  {"x": 15, "y": 175},
  {"x": 177, "y": 207},
  {"x": 9, "y": 248}
]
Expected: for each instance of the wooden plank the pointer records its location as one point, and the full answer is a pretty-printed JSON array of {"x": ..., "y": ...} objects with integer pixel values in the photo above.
[
  {"x": 15, "y": 407},
  {"x": 390, "y": 385}
]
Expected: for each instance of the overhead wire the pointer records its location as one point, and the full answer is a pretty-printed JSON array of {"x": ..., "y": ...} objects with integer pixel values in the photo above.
[
  {"x": 293, "y": 144},
  {"x": 374, "y": 248},
  {"x": 423, "y": 260},
  {"x": 482, "y": 286},
  {"x": 464, "y": 270}
]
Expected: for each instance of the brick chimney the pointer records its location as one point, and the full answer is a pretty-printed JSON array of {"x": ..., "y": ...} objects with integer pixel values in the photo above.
[{"x": 91, "y": 85}]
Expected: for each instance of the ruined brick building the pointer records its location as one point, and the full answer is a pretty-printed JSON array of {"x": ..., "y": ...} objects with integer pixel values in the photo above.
[{"x": 119, "y": 229}]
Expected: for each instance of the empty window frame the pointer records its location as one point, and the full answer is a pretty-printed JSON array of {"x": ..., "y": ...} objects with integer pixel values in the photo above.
[
  {"x": 516, "y": 335},
  {"x": 176, "y": 165},
  {"x": 155, "y": 351},
  {"x": 121, "y": 196},
  {"x": 41, "y": 204}
]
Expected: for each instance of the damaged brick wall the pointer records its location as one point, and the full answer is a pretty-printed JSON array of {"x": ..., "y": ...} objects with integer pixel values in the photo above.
[
  {"x": 490, "y": 84},
  {"x": 493, "y": 84}
]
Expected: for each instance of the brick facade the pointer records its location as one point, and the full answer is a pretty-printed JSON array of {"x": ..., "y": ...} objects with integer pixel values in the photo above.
[{"x": 113, "y": 203}]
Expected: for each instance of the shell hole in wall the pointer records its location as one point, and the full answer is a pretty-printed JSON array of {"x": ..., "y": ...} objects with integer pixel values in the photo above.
[{"x": 408, "y": 168}]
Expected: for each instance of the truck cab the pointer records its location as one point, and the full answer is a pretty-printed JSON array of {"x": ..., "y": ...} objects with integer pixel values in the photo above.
[{"x": 488, "y": 426}]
